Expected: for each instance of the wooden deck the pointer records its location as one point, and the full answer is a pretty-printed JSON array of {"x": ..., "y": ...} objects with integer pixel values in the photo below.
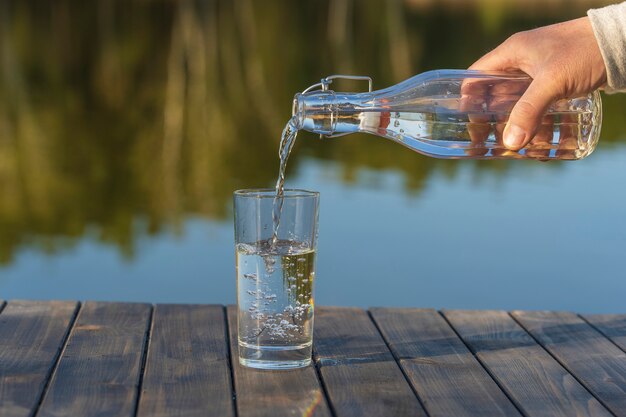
[{"x": 122, "y": 359}]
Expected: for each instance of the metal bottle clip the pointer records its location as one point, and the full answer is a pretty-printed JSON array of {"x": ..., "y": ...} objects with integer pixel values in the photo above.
[{"x": 326, "y": 81}]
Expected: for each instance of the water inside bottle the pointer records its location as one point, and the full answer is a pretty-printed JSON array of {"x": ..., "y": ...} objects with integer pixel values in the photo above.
[{"x": 444, "y": 134}]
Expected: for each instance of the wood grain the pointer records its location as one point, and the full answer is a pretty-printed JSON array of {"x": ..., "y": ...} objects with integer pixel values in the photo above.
[
  {"x": 360, "y": 374},
  {"x": 187, "y": 369},
  {"x": 99, "y": 369},
  {"x": 447, "y": 377},
  {"x": 31, "y": 336},
  {"x": 596, "y": 362},
  {"x": 60, "y": 359},
  {"x": 532, "y": 378},
  {"x": 612, "y": 326},
  {"x": 263, "y": 393}
]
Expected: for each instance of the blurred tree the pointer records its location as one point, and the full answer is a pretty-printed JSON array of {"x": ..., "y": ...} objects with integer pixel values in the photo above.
[{"x": 120, "y": 118}]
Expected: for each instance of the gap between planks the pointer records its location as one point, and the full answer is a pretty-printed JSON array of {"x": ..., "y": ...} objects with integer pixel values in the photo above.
[
  {"x": 144, "y": 358},
  {"x": 566, "y": 337},
  {"x": 406, "y": 377},
  {"x": 66, "y": 337},
  {"x": 230, "y": 362}
]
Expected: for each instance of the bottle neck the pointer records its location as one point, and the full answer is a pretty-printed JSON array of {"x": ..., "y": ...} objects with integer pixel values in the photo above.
[{"x": 326, "y": 112}]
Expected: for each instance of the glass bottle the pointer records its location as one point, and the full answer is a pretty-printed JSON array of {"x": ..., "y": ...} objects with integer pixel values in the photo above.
[{"x": 451, "y": 114}]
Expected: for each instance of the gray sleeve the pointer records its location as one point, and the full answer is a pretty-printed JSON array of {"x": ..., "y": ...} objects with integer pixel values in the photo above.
[{"x": 609, "y": 27}]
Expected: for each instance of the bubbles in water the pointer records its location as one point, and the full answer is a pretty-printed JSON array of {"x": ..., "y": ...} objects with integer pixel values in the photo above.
[
  {"x": 252, "y": 277},
  {"x": 269, "y": 263},
  {"x": 274, "y": 302}
]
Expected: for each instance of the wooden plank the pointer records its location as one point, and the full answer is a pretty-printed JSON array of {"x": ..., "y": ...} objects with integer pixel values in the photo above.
[
  {"x": 99, "y": 369},
  {"x": 532, "y": 378},
  {"x": 612, "y": 326},
  {"x": 447, "y": 377},
  {"x": 31, "y": 336},
  {"x": 187, "y": 369},
  {"x": 262, "y": 393},
  {"x": 595, "y": 361},
  {"x": 359, "y": 372}
]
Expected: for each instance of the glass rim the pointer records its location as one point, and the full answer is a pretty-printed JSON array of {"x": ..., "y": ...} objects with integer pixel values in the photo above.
[{"x": 271, "y": 193}]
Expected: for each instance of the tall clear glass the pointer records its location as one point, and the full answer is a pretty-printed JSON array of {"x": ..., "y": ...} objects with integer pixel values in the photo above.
[{"x": 275, "y": 277}]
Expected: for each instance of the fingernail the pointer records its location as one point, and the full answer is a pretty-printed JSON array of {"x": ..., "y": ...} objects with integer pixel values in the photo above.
[{"x": 514, "y": 136}]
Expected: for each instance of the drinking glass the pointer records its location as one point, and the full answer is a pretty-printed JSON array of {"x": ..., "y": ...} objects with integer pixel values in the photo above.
[{"x": 275, "y": 275}]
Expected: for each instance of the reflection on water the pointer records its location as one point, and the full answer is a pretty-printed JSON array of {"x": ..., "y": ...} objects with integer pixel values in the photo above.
[{"x": 121, "y": 120}]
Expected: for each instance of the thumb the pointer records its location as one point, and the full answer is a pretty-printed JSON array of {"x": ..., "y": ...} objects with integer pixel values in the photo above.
[{"x": 527, "y": 114}]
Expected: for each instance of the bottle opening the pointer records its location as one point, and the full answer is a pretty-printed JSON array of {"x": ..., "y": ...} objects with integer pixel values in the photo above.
[
  {"x": 315, "y": 111},
  {"x": 297, "y": 111}
]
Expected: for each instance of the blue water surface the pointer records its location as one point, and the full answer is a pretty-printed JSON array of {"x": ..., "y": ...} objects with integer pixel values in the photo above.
[{"x": 545, "y": 238}]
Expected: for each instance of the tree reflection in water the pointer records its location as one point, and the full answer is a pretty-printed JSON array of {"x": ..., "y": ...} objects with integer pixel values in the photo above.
[{"x": 118, "y": 111}]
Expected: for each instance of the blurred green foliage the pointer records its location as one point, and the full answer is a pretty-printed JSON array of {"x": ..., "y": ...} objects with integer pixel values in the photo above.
[{"x": 119, "y": 119}]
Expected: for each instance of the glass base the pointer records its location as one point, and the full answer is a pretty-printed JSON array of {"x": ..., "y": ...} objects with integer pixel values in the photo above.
[{"x": 274, "y": 357}]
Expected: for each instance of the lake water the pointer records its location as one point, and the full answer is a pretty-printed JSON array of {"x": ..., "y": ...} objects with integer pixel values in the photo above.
[{"x": 125, "y": 127}]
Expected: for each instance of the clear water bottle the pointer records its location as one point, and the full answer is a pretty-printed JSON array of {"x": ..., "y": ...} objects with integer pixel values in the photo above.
[{"x": 451, "y": 114}]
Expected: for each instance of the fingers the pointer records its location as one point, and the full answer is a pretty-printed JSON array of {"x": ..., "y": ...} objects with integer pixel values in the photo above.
[
  {"x": 541, "y": 144},
  {"x": 502, "y": 58},
  {"x": 474, "y": 94},
  {"x": 494, "y": 60},
  {"x": 487, "y": 102},
  {"x": 527, "y": 114}
]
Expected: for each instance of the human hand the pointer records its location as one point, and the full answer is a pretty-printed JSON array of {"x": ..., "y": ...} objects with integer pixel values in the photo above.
[{"x": 564, "y": 61}]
